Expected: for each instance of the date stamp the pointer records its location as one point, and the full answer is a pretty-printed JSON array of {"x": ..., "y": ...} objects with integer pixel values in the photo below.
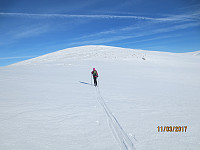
[{"x": 172, "y": 128}]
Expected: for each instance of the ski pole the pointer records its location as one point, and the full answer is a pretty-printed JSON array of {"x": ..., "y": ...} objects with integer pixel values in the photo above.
[{"x": 91, "y": 79}]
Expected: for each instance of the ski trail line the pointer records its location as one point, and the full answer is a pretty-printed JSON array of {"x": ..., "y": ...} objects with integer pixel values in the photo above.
[{"x": 118, "y": 132}]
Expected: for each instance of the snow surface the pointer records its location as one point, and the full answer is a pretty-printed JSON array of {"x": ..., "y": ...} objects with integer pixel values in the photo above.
[{"x": 48, "y": 103}]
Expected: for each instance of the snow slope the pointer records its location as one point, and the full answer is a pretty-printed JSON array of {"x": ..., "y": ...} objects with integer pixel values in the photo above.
[
  {"x": 48, "y": 103},
  {"x": 194, "y": 53}
]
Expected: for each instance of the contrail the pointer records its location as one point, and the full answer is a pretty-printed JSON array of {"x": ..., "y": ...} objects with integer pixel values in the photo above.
[{"x": 76, "y": 16}]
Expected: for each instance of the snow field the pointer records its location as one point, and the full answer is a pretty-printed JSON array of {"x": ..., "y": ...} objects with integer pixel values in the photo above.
[{"x": 48, "y": 103}]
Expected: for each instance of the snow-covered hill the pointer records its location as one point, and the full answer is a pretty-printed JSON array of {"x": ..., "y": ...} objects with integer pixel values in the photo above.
[
  {"x": 94, "y": 52},
  {"x": 49, "y": 103},
  {"x": 91, "y": 52}
]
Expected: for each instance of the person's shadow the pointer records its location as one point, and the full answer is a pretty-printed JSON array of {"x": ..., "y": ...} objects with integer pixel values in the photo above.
[{"x": 85, "y": 83}]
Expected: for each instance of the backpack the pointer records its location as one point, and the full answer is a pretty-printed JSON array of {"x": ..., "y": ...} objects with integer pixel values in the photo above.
[{"x": 95, "y": 73}]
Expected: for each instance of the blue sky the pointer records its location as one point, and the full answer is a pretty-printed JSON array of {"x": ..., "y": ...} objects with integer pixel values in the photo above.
[{"x": 33, "y": 28}]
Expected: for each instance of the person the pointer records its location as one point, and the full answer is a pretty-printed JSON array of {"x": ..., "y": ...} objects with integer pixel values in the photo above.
[{"x": 95, "y": 75}]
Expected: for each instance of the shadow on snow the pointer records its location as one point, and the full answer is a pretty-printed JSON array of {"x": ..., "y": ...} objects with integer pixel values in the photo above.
[{"x": 85, "y": 83}]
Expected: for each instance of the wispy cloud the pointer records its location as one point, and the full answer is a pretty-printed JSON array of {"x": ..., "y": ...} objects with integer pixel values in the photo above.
[
  {"x": 180, "y": 17},
  {"x": 30, "y": 31},
  {"x": 181, "y": 21},
  {"x": 23, "y": 32},
  {"x": 136, "y": 35},
  {"x": 112, "y": 31},
  {"x": 155, "y": 38},
  {"x": 192, "y": 16},
  {"x": 76, "y": 16},
  {"x": 16, "y": 57},
  {"x": 102, "y": 40},
  {"x": 176, "y": 27},
  {"x": 144, "y": 27}
]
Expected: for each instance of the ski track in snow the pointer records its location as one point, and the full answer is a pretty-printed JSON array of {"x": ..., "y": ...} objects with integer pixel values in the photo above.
[{"x": 118, "y": 132}]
